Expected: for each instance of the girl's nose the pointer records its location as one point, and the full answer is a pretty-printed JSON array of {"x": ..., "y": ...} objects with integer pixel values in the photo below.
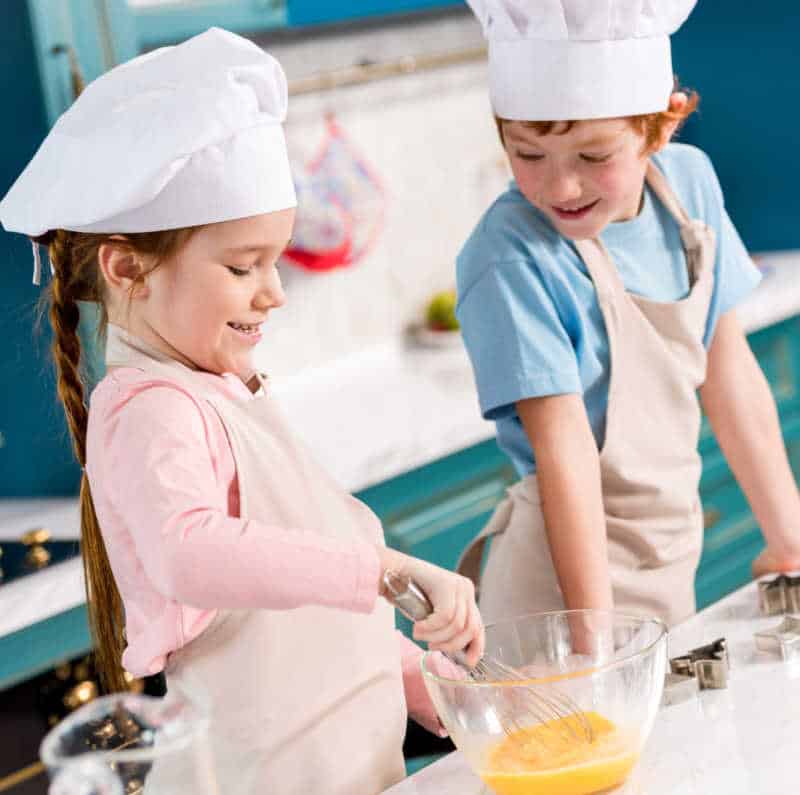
[{"x": 270, "y": 294}]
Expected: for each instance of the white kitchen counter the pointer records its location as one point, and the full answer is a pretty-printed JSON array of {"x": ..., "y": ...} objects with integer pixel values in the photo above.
[
  {"x": 367, "y": 417},
  {"x": 740, "y": 741}
]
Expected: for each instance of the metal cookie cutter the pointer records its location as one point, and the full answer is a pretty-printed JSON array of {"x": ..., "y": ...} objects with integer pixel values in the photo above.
[
  {"x": 678, "y": 688},
  {"x": 783, "y": 640},
  {"x": 779, "y": 595},
  {"x": 708, "y": 664}
]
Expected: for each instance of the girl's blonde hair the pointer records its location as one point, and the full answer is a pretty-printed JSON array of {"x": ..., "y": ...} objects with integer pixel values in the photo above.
[
  {"x": 648, "y": 125},
  {"x": 76, "y": 277}
]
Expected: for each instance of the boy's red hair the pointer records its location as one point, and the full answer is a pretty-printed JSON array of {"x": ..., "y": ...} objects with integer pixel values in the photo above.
[{"x": 649, "y": 125}]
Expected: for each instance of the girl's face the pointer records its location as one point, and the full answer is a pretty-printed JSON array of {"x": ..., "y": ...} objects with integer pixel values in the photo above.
[
  {"x": 582, "y": 180},
  {"x": 207, "y": 306}
]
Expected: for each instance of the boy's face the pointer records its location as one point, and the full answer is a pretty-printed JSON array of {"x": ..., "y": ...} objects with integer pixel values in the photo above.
[{"x": 582, "y": 180}]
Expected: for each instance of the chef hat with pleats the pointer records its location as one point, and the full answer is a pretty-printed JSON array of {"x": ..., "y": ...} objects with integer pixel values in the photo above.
[
  {"x": 181, "y": 136},
  {"x": 567, "y": 60}
]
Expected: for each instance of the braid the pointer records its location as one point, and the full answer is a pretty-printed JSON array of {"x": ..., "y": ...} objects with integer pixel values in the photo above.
[
  {"x": 106, "y": 616},
  {"x": 65, "y": 316},
  {"x": 76, "y": 277}
]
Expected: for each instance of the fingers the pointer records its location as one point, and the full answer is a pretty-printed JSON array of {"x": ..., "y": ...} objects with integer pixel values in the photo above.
[
  {"x": 472, "y": 640},
  {"x": 448, "y": 594},
  {"x": 458, "y": 628},
  {"x": 454, "y": 626}
]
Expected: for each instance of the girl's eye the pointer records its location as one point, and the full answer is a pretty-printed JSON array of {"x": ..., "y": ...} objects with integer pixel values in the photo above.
[
  {"x": 527, "y": 156},
  {"x": 596, "y": 158},
  {"x": 238, "y": 271}
]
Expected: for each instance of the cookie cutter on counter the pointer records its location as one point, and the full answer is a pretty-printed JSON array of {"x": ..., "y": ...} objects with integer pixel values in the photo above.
[
  {"x": 779, "y": 595},
  {"x": 679, "y": 688},
  {"x": 783, "y": 640},
  {"x": 703, "y": 668}
]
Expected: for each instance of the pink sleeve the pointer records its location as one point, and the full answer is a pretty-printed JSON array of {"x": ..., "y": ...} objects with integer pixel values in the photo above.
[
  {"x": 419, "y": 704},
  {"x": 158, "y": 474}
]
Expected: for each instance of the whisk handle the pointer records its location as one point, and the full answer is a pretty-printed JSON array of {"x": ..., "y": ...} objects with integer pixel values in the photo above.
[
  {"x": 406, "y": 596},
  {"x": 413, "y": 603}
]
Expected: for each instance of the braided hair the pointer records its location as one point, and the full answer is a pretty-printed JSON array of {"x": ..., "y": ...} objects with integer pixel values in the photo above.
[{"x": 76, "y": 277}]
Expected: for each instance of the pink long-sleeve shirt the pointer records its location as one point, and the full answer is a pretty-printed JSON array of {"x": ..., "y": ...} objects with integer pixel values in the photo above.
[{"x": 166, "y": 493}]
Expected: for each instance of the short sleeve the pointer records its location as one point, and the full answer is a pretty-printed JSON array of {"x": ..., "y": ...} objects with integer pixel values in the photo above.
[
  {"x": 735, "y": 273},
  {"x": 516, "y": 340}
]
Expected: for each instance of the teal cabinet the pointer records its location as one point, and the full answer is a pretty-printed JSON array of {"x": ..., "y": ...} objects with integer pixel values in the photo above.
[
  {"x": 168, "y": 23},
  {"x": 732, "y": 536},
  {"x": 433, "y": 512},
  {"x": 316, "y": 12}
]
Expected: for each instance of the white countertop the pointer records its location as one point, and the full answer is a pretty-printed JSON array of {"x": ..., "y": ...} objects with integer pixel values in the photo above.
[
  {"x": 740, "y": 741},
  {"x": 367, "y": 417}
]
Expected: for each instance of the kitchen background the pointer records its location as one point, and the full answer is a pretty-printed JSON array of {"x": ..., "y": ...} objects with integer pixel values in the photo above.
[
  {"x": 428, "y": 138},
  {"x": 419, "y": 151}
]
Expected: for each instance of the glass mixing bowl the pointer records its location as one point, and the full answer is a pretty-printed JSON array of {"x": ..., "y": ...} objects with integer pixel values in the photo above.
[{"x": 513, "y": 734}]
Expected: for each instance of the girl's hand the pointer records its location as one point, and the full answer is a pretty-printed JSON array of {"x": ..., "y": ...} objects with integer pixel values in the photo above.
[
  {"x": 455, "y": 623},
  {"x": 771, "y": 562}
]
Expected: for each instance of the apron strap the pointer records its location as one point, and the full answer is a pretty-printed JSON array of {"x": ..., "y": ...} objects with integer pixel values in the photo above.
[
  {"x": 469, "y": 563},
  {"x": 123, "y": 349},
  {"x": 661, "y": 187},
  {"x": 605, "y": 276}
]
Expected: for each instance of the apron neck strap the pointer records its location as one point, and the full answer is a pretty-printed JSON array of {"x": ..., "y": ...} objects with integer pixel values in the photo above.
[
  {"x": 124, "y": 349},
  {"x": 661, "y": 187}
]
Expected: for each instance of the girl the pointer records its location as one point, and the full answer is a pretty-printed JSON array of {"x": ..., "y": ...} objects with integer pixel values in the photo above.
[
  {"x": 227, "y": 557},
  {"x": 596, "y": 297}
]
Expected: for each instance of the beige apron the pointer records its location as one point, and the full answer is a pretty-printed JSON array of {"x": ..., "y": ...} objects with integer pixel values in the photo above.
[
  {"x": 649, "y": 464},
  {"x": 301, "y": 701}
]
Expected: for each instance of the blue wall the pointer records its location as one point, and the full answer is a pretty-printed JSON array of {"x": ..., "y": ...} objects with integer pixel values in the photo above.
[
  {"x": 743, "y": 58},
  {"x": 35, "y": 458}
]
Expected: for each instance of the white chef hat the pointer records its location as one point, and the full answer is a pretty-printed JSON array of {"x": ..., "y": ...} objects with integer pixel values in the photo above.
[
  {"x": 562, "y": 60},
  {"x": 181, "y": 136}
]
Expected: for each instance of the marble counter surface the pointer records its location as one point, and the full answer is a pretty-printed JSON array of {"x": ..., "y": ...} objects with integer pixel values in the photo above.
[
  {"x": 740, "y": 741},
  {"x": 367, "y": 417}
]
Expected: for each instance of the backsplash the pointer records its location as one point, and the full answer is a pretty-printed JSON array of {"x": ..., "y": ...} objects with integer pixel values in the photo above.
[{"x": 430, "y": 138}]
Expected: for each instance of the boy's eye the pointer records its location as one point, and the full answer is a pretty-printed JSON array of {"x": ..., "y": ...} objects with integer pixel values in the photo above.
[
  {"x": 596, "y": 158},
  {"x": 238, "y": 271},
  {"x": 528, "y": 156}
]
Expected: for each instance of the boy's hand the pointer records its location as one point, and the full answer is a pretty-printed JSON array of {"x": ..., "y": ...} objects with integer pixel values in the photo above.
[{"x": 771, "y": 562}]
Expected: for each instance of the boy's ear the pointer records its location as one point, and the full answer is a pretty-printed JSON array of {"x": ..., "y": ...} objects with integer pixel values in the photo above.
[
  {"x": 676, "y": 103},
  {"x": 122, "y": 268}
]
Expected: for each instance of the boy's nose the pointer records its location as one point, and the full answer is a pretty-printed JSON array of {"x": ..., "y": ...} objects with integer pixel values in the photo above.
[{"x": 563, "y": 187}]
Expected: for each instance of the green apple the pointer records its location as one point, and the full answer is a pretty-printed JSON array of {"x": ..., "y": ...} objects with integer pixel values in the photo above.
[{"x": 441, "y": 312}]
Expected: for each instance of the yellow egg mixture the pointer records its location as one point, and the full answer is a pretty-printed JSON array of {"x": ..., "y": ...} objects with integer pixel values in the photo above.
[{"x": 546, "y": 760}]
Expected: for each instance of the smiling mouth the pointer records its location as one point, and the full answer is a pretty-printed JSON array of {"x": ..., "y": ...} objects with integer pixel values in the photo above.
[
  {"x": 577, "y": 212},
  {"x": 246, "y": 328}
]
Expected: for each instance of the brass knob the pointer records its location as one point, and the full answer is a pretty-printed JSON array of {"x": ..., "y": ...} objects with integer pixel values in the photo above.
[
  {"x": 133, "y": 684},
  {"x": 80, "y": 694},
  {"x": 37, "y": 556}
]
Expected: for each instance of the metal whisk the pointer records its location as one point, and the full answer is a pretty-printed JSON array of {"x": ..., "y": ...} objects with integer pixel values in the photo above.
[{"x": 546, "y": 706}]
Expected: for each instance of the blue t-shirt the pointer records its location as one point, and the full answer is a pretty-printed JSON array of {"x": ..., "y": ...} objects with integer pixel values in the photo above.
[{"x": 528, "y": 308}]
